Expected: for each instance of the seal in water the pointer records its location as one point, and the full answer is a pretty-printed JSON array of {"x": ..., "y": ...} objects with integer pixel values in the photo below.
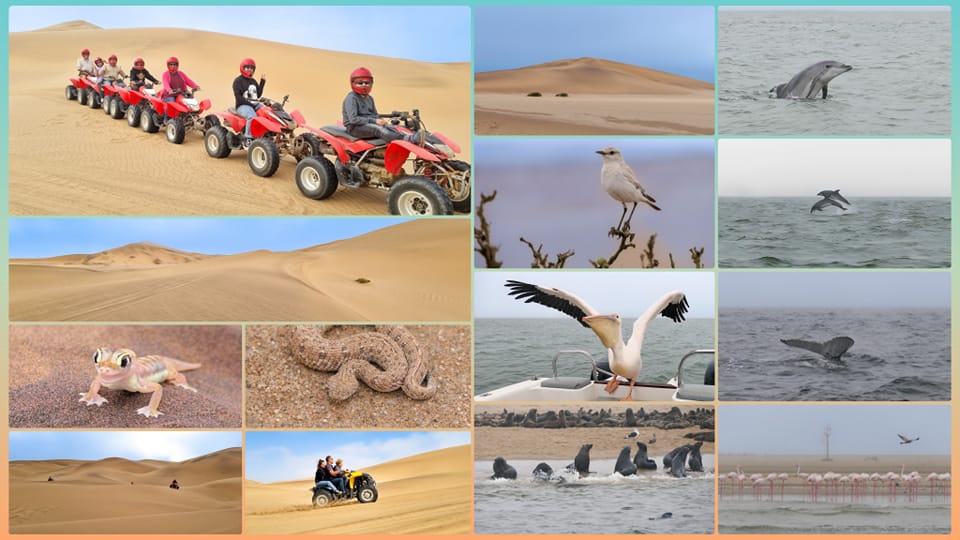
[
  {"x": 678, "y": 464},
  {"x": 543, "y": 471},
  {"x": 811, "y": 81},
  {"x": 501, "y": 469},
  {"x": 831, "y": 350},
  {"x": 582, "y": 462},
  {"x": 624, "y": 466},
  {"x": 695, "y": 460},
  {"x": 641, "y": 460}
]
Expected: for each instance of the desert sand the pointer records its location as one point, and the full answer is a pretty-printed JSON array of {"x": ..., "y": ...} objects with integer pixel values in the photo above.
[
  {"x": 51, "y": 365},
  {"x": 66, "y": 159},
  {"x": 120, "y": 496},
  {"x": 416, "y": 270},
  {"x": 602, "y": 98},
  {"x": 429, "y": 493}
]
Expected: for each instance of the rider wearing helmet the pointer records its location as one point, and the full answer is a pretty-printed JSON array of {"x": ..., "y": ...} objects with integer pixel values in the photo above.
[
  {"x": 248, "y": 91},
  {"x": 98, "y": 67},
  {"x": 139, "y": 75},
  {"x": 112, "y": 72},
  {"x": 84, "y": 63},
  {"x": 175, "y": 82},
  {"x": 360, "y": 117}
]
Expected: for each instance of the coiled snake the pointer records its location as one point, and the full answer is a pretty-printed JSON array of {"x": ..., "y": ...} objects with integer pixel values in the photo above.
[{"x": 386, "y": 359}]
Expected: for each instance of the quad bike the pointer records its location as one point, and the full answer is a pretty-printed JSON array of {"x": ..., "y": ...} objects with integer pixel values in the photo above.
[
  {"x": 356, "y": 484},
  {"x": 438, "y": 184},
  {"x": 184, "y": 113},
  {"x": 112, "y": 100},
  {"x": 83, "y": 88},
  {"x": 272, "y": 137}
]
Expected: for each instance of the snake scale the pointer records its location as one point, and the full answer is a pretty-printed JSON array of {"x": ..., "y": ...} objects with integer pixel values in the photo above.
[{"x": 385, "y": 359}]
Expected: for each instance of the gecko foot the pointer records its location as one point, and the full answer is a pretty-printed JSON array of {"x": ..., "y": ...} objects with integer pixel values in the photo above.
[
  {"x": 97, "y": 399},
  {"x": 148, "y": 413}
]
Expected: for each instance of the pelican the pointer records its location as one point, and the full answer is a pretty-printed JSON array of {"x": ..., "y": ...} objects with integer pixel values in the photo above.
[
  {"x": 625, "y": 359},
  {"x": 906, "y": 440}
]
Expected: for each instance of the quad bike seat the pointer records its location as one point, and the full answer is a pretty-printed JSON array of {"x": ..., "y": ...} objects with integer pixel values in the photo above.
[{"x": 340, "y": 131}]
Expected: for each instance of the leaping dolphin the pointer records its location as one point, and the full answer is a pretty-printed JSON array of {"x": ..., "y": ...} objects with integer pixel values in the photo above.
[
  {"x": 834, "y": 194},
  {"x": 831, "y": 350},
  {"x": 824, "y": 202},
  {"x": 811, "y": 81}
]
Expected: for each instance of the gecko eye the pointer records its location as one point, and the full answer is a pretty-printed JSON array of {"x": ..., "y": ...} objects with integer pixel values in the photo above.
[
  {"x": 97, "y": 354},
  {"x": 124, "y": 360}
]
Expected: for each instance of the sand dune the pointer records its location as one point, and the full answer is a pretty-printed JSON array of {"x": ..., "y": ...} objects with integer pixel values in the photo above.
[
  {"x": 117, "y": 495},
  {"x": 417, "y": 271},
  {"x": 603, "y": 97},
  {"x": 66, "y": 159},
  {"x": 425, "y": 494}
]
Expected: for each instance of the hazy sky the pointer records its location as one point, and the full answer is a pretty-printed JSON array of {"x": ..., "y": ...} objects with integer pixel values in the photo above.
[
  {"x": 425, "y": 33},
  {"x": 676, "y": 39},
  {"x": 627, "y": 293},
  {"x": 854, "y": 429},
  {"x": 548, "y": 191},
  {"x": 45, "y": 237},
  {"x": 834, "y": 290},
  {"x": 275, "y": 456},
  {"x": 169, "y": 445},
  {"x": 858, "y": 168}
]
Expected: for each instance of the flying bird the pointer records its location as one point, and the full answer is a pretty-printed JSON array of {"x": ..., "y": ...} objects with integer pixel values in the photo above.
[
  {"x": 830, "y": 198},
  {"x": 621, "y": 183},
  {"x": 906, "y": 440},
  {"x": 625, "y": 359}
]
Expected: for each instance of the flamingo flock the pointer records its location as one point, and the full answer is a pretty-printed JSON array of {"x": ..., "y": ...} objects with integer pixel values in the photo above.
[{"x": 833, "y": 487}]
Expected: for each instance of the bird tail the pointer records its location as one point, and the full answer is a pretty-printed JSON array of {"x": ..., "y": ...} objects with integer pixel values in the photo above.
[{"x": 651, "y": 205}]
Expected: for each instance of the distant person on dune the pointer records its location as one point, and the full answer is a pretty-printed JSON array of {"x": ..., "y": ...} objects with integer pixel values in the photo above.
[{"x": 174, "y": 484}]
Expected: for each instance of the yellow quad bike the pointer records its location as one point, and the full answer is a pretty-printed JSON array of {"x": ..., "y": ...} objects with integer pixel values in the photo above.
[{"x": 357, "y": 484}]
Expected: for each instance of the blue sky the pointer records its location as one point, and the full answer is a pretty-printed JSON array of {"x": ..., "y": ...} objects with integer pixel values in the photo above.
[
  {"x": 676, "y": 39},
  {"x": 424, "y": 33},
  {"x": 45, "y": 237},
  {"x": 854, "y": 429},
  {"x": 167, "y": 445},
  {"x": 834, "y": 290},
  {"x": 276, "y": 456},
  {"x": 626, "y": 293}
]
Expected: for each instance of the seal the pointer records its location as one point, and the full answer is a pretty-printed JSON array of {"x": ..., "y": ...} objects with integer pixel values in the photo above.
[
  {"x": 641, "y": 461},
  {"x": 543, "y": 471},
  {"x": 582, "y": 462},
  {"x": 678, "y": 463},
  {"x": 695, "y": 460},
  {"x": 811, "y": 81},
  {"x": 501, "y": 469},
  {"x": 624, "y": 466}
]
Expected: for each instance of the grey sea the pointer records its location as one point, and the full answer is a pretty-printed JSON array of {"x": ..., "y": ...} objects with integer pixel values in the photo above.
[
  {"x": 511, "y": 350},
  {"x": 653, "y": 503},
  {"x": 899, "y": 85},
  {"x": 898, "y": 355},
  {"x": 796, "y": 516},
  {"x": 872, "y": 233}
]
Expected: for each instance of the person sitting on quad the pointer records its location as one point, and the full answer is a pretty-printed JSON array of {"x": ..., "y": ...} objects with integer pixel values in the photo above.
[
  {"x": 339, "y": 466},
  {"x": 84, "y": 63},
  {"x": 175, "y": 82},
  {"x": 335, "y": 474},
  {"x": 139, "y": 76},
  {"x": 98, "y": 68},
  {"x": 112, "y": 73},
  {"x": 174, "y": 484},
  {"x": 321, "y": 479},
  {"x": 360, "y": 117},
  {"x": 247, "y": 92}
]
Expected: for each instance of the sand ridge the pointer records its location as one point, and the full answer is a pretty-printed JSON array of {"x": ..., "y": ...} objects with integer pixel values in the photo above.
[
  {"x": 429, "y": 493},
  {"x": 91, "y": 164},
  {"x": 84, "y": 495},
  {"x": 416, "y": 270}
]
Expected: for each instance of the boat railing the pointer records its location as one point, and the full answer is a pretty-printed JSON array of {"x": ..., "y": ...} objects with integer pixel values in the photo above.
[
  {"x": 690, "y": 354},
  {"x": 594, "y": 369}
]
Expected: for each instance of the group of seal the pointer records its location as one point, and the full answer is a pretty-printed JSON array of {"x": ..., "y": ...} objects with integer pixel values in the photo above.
[{"x": 684, "y": 458}]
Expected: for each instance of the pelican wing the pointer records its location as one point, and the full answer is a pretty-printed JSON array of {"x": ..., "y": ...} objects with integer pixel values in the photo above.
[
  {"x": 672, "y": 305},
  {"x": 557, "y": 299}
]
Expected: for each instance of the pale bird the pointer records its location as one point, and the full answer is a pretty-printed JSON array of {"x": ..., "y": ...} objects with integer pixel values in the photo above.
[
  {"x": 907, "y": 440},
  {"x": 621, "y": 183}
]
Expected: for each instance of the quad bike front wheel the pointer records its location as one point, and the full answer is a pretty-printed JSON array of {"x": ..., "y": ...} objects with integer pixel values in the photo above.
[
  {"x": 316, "y": 177},
  {"x": 418, "y": 196},
  {"x": 263, "y": 157},
  {"x": 70, "y": 92},
  {"x": 106, "y": 104},
  {"x": 215, "y": 141},
  {"x": 93, "y": 99},
  {"x": 133, "y": 116},
  {"x": 368, "y": 494},
  {"x": 82, "y": 96},
  {"x": 175, "y": 130},
  {"x": 116, "y": 108}
]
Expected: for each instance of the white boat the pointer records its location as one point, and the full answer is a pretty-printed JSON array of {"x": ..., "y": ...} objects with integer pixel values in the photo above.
[{"x": 569, "y": 389}]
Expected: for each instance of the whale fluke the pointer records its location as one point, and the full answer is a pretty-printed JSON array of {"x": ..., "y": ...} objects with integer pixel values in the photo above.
[{"x": 831, "y": 350}]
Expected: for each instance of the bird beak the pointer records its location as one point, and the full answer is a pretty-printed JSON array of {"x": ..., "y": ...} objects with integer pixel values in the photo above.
[
  {"x": 600, "y": 152},
  {"x": 607, "y": 328}
]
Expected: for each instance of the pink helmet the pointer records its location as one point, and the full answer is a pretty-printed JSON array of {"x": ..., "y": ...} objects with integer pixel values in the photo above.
[
  {"x": 247, "y": 62},
  {"x": 138, "y": 62},
  {"x": 112, "y": 59},
  {"x": 85, "y": 51},
  {"x": 173, "y": 63},
  {"x": 98, "y": 60},
  {"x": 359, "y": 76}
]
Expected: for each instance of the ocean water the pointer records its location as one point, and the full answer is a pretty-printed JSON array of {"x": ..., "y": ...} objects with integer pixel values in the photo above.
[
  {"x": 511, "y": 350},
  {"x": 796, "y": 516},
  {"x": 899, "y": 85},
  {"x": 872, "y": 233},
  {"x": 603, "y": 503},
  {"x": 898, "y": 355}
]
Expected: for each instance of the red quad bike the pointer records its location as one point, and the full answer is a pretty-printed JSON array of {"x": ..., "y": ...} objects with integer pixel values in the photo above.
[
  {"x": 438, "y": 186},
  {"x": 131, "y": 103},
  {"x": 83, "y": 88},
  {"x": 184, "y": 113},
  {"x": 272, "y": 132},
  {"x": 111, "y": 94}
]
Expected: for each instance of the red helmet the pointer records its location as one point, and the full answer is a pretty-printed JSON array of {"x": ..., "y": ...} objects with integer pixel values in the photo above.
[
  {"x": 138, "y": 61},
  {"x": 173, "y": 63},
  {"x": 358, "y": 77},
  {"x": 85, "y": 51},
  {"x": 98, "y": 60},
  {"x": 247, "y": 62},
  {"x": 112, "y": 59}
]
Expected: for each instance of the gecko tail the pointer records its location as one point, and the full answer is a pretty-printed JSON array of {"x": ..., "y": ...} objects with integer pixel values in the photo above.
[{"x": 179, "y": 365}]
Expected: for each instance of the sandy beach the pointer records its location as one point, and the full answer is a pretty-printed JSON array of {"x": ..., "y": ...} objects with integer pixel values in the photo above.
[
  {"x": 66, "y": 159},
  {"x": 120, "y": 496},
  {"x": 428, "y": 493},
  {"x": 414, "y": 271},
  {"x": 590, "y": 96},
  {"x": 924, "y": 464}
]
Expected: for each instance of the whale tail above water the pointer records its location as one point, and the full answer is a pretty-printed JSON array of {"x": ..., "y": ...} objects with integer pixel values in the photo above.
[{"x": 831, "y": 350}]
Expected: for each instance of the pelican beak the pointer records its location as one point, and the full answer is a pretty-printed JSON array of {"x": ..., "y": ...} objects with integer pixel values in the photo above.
[{"x": 607, "y": 328}]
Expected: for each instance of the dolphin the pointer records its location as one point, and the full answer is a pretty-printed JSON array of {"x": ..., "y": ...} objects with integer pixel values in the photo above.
[
  {"x": 811, "y": 81},
  {"x": 834, "y": 194},
  {"x": 824, "y": 202},
  {"x": 831, "y": 350}
]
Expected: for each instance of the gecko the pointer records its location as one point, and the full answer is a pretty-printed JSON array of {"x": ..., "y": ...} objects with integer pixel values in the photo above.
[{"x": 124, "y": 370}]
